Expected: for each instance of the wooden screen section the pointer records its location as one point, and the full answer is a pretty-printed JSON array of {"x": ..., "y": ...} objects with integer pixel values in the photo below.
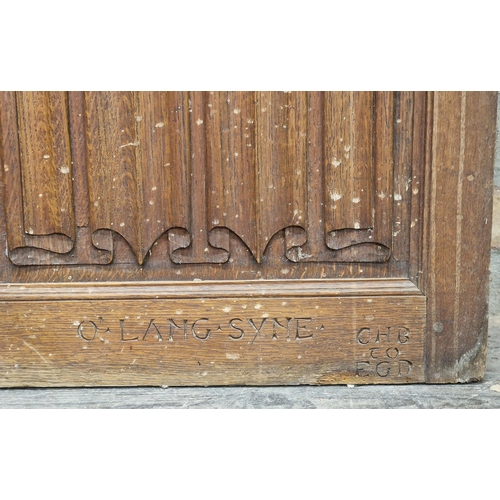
[{"x": 196, "y": 238}]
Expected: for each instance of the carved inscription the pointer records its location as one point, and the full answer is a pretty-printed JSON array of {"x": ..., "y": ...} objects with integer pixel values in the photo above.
[
  {"x": 249, "y": 330},
  {"x": 385, "y": 352},
  {"x": 208, "y": 340}
]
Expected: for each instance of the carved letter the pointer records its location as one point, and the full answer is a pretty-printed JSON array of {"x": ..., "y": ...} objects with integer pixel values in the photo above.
[
  {"x": 277, "y": 323},
  {"x": 383, "y": 369},
  {"x": 386, "y": 335},
  {"x": 297, "y": 335},
  {"x": 80, "y": 331},
  {"x": 360, "y": 333},
  {"x": 195, "y": 335},
  {"x": 158, "y": 334},
  {"x": 172, "y": 326},
  {"x": 122, "y": 322},
  {"x": 237, "y": 329},
  {"x": 403, "y": 335},
  {"x": 405, "y": 367},
  {"x": 257, "y": 330},
  {"x": 392, "y": 352},
  {"x": 360, "y": 370}
]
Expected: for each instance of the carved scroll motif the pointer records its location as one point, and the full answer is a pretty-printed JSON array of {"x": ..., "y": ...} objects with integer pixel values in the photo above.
[
  {"x": 256, "y": 163},
  {"x": 39, "y": 175},
  {"x": 137, "y": 164},
  {"x": 312, "y": 168},
  {"x": 350, "y": 167}
]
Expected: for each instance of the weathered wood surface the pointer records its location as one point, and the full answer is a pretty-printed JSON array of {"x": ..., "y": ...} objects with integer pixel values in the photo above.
[
  {"x": 320, "y": 202},
  {"x": 457, "y": 240},
  {"x": 475, "y": 395},
  {"x": 208, "y": 185},
  {"x": 214, "y": 341}
]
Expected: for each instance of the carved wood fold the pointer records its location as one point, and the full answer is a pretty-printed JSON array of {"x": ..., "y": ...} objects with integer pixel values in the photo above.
[{"x": 317, "y": 170}]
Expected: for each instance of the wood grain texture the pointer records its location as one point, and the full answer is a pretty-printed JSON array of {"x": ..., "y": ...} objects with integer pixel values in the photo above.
[
  {"x": 170, "y": 185},
  {"x": 38, "y": 172},
  {"x": 246, "y": 341},
  {"x": 459, "y": 234},
  {"x": 213, "y": 289},
  {"x": 211, "y": 203},
  {"x": 137, "y": 165},
  {"x": 358, "y": 139}
]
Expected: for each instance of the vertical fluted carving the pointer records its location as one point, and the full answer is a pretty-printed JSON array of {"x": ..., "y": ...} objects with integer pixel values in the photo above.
[
  {"x": 321, "y": 168},
  {"x": 38, "y": 171},
  {"x": 137, "y": 164}
]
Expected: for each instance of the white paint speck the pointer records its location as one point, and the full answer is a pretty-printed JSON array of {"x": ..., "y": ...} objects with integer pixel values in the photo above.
[
  {"x": 336, "y": 162},
  {"x": 236, "y": 111},
  {"x": 398, "y": 197},
  {"x": 230, "y": 355},
  {"x": 356, "y": 225},
  {"x": 122, "y": 224},
  {"x": 199, "y": 121},
  {"x": 356, "y": 200},
  {"x": 46, "y": 157},
  {"x": 64, "y": 169},
  {"x": 335, "y": 196},
  {"x": 258, "y": 306},
  {"x": 138, "y": 118},
  {"x": 160, "y": 125},
  {"x": 226, "y": 309},
  {"x": 129, "y": 144}
]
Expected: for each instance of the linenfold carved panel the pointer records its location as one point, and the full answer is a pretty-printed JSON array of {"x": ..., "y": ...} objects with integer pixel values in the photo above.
[{"x": 201, "y": 168}]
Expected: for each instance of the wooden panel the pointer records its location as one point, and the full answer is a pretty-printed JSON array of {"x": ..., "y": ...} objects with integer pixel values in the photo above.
[
  {"x": 38, "y": 171},
  {"x": 137, "y": 166},
  {"x": 349, "y": 159},
  {"x": 459, "y": 234},
  {"x": 46, "y": 163},
  {"x": 195, "y": 247},
  {"x": 351, "y": 156},
  {"x": 358, "y": 141},
  {"x": 164, "y": 181},
  {"x": 43, "y": 178},
  {"x": 237, "y": 340}
]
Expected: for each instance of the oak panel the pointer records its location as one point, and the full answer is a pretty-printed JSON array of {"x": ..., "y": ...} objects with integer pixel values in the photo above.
[{"x": 207, "y": 341}]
